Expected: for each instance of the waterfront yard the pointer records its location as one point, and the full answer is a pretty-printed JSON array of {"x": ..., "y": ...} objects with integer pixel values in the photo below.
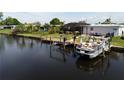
[
  {"x": 43, "y": 35},
  {"x": 117, "y": 41},
  {"x": 6, "y": 31}
]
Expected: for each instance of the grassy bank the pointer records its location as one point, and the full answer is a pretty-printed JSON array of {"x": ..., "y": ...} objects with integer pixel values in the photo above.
[
  {"x": 6, "y": 31},
  {"x": 43, "y": 35},
  {"x": 117, "y": 41}
]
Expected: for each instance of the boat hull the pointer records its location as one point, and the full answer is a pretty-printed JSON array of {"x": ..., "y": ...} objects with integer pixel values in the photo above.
[{"x": 89, "y": 55}]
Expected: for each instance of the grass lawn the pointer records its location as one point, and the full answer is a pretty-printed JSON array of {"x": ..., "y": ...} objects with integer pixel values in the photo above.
[
  {"x": 5, "y": 31},
  {"x": 117, "y": 41},
  {"x": 44, "y": 35},
  {"x": 57, "y": 36}
]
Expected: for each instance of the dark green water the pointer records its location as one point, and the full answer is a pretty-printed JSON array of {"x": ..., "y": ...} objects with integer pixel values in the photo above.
[{"x": 28, "y": 59}]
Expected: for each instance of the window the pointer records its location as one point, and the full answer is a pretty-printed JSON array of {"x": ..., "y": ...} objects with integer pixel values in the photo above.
[
  {"x": 91, "y": 28},
  {"x": 115, "y": 29}
]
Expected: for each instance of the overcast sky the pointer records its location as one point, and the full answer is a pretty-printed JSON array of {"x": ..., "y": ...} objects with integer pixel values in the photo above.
[{"x": 44, "y": 17}]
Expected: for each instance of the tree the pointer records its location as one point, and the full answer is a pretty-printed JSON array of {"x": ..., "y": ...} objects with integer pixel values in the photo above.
[
  {"x": 61, "y": 23},
  {"x": 46, "y": 27},
  {"x": 54, "y": 29},
  {"x": 51, "y": 30},
  {"x": 56, "y": 25},
  {"x": 16, "y": 22},
  {"x": 36, "y": 26},
  {"x": 55, "y": 21},
  {"x": 1, "y": 15},
  {"x": 19, "y": 28},
  {"x": 29, "y": 28},
  {"x": 1, "y": 23},
  {"x": 57, "y": 29},
  {"x": 11, "y": 21},
  {"x": 107, "y": 21}
]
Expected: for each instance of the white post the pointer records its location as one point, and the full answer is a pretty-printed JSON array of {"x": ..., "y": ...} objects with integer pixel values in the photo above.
[{"x": 81, "y": 40}]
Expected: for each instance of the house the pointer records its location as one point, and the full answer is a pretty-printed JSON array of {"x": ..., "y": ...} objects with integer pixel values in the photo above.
[
  {"x": 1, "y": 27},
  {"x": 7, "y": 26},
  {"x": 104, "y": 29},
  {"x": 100, "y": 29}
]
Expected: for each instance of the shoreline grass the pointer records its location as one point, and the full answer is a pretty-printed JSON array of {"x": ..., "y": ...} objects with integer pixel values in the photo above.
[
  {"x": 6, "y": 31},
  {"x": 116, "y": 41},
  {"x": 43, "y": 35}
]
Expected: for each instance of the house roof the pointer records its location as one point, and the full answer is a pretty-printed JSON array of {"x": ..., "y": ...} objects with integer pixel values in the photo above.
[
  {"x": 106, "y": 25},
  {"x": 74, "y": 26}
]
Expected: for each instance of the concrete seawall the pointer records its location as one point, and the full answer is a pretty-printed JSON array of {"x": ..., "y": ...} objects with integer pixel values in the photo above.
[{"x": 117, "y": 49}]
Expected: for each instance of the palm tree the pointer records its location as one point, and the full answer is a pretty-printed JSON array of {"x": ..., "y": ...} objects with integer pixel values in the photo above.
[
  {"x": 46, "y": 27},
  {"x": 107, "y": 21},
  {"x": 29, "y": 28},
  {"x": 36, "y": 26}
]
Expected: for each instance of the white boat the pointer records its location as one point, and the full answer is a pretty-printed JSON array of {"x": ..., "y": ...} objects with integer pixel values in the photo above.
[{"x": 92, "y": 48}]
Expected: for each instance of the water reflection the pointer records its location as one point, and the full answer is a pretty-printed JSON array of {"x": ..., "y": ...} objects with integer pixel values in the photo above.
[
  {"x": 9, "y": 40},
  {"x": 21, "y": 43},
  {"x": 2, "y": 44},
  {"x": 31, "y": 43},
  {"x": 59, "y": 51},
  {"x": 24, "y": 42},
  {"x": 16, "y": 40},
  {"x": 61, "y": 54},
  {"x": 92, "y": 65}
]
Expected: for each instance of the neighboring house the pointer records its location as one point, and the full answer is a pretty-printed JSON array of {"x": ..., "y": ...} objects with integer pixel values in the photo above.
[
  {"x": 7, "y": 26},
  {"x": 1, "y": 27},
  {"x": 101, "y": 29},
  {"x": 104, "y": 29}
]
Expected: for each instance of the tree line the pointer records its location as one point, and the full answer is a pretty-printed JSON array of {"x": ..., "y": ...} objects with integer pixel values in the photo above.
[{"x": 52, "y": 27}]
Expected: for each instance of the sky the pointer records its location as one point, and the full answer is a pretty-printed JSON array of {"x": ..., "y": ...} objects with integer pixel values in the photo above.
[{"x": 45, "y": 17}]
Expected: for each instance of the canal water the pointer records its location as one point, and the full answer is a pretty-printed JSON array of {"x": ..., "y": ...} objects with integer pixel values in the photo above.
[{"x": 29, "y": 59}]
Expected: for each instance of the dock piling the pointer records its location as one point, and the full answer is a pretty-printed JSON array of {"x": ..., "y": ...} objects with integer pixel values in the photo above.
[
  {"x": 50, "y": 40},
  {"x": 103, "y": 52}
]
